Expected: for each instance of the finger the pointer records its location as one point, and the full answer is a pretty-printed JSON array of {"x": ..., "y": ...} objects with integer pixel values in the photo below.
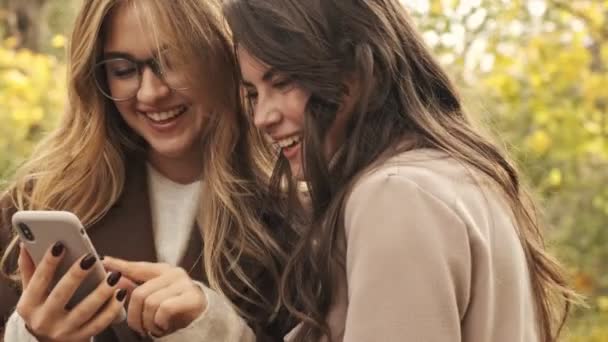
[
  {"x": 126, "y": 283},
  {"x": 26, "y": 266},
  {"x": 105, "y": 317},
  {"x": 40, "y": 281},
  {"x": 165, "y": 317},
  {"x": 138, "y": 298},
  {"x": 92, "y": 303},
  {"x": 138, "y": 271},
  {"x": 71, "y": 280},
  {"x": 151, "y": 305}
]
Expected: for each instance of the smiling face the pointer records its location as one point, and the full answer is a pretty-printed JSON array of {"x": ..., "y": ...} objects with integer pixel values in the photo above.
[
  {"x": 170, "y": 121},
  {"x": 279, "y": 109}
]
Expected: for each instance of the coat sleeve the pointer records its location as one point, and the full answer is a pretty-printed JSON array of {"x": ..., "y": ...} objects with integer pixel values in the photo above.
[
  {"x": 407, "y": 263},
  {"x": 9, "y": 290},
  {"x": 16, "y": 330},
  {"x": 219, "y": 322}
]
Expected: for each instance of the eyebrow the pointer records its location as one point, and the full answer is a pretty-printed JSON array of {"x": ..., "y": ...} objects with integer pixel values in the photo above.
[
  {"x": 114, "y": 54},
  {"x": 119, "y": 54},
  {"x": 268, "y": 75}
]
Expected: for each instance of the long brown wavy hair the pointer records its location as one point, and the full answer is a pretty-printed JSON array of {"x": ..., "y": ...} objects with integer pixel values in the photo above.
[
  {"x": 80, "y": 166},
  {"x": 403, "y": 95}
]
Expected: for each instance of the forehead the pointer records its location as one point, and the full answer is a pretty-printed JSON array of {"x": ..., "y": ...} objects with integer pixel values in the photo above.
[
  {"x": 125, "y": 31},
  {"x": 252, "y": 69}
]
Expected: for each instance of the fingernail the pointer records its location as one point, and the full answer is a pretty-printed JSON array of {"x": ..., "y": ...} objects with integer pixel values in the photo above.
[
  {"x": 121, "y": 295},
  {"x": 113, "y": 278},
  {"x": 87, "y": 262},
  {"x": 57, "y": 249}
]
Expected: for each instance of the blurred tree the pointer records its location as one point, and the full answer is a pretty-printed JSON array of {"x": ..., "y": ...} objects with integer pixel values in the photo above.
[
  {"x": 32, "y": 94},
  {"x": 34, "y": 24},
  {"x": 24, "y": 20},
  {"x": 535, "y": 71}
]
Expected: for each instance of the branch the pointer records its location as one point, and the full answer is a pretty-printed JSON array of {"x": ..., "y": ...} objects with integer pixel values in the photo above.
[{"x": 567, "y": 7}]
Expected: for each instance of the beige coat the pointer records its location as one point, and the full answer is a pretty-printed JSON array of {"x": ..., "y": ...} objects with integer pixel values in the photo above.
[{"x": 432, "y": 256}]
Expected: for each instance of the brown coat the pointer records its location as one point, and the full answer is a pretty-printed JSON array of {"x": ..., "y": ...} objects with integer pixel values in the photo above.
[{"x": 124, "y": 232}]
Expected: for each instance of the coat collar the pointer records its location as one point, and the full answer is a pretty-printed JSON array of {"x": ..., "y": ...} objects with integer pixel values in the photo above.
[{"x": 126, "y": 230}]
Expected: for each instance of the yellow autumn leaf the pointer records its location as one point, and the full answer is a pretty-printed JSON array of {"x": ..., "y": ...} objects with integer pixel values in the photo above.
[
  {"x": 11, "y": 42},
  {"x": 58, "y": 41},
  {"x": 602, "y": 303},
  {"x": 15, "y": 79},
  {"x": 555, "y": 177},
  {"x": 539, "y": 142}
]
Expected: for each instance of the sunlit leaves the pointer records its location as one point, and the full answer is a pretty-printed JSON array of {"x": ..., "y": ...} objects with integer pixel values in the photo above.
[
  {"x": 32, "y": 88},
  {"x": 539, "y": 71}
]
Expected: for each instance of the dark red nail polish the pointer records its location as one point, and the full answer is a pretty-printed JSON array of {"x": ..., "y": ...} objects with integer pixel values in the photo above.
[
  {"x": 121, "y": 295},
  {"x": 113, "y": 278},
  {"x": 57, "y": 249},
  {"x": 87, "y": 262}
]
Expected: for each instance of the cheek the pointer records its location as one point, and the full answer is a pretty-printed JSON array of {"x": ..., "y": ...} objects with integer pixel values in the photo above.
[
  {"x": 296, "y": 103},
  {"x": 124, "y": 109}
]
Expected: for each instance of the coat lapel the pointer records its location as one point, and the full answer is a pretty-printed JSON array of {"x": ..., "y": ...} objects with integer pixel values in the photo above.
[{"x": 126, "y": 232}]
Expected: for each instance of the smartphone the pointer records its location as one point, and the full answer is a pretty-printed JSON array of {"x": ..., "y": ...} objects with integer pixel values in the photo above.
[{"x": 39, "y": 230}]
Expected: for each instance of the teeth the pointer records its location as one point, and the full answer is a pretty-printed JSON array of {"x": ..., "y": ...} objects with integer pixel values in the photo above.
[
  {"x": 162, "y": 116},
  {"x": 287, "y": 142}
]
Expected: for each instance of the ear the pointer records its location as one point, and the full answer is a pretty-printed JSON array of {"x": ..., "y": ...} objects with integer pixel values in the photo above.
[{"x": 352, "y": 90}]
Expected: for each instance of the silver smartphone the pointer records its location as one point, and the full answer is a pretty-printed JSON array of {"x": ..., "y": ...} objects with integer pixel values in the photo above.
[{"x": 39, "y": 230}]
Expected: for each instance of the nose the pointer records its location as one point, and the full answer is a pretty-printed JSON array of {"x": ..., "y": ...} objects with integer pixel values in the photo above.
[
  {"x": 266, "y": 114},
  {"x": 152, "y": 87}
]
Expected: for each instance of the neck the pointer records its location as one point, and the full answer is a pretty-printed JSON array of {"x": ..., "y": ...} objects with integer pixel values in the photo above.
[{"x": 183, "y": 169}]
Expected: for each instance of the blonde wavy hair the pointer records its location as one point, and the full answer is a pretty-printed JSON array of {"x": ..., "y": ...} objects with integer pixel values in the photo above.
[{"x": 80, "y": 166}]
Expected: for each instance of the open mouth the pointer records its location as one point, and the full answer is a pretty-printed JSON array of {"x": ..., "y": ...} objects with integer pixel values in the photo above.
[
  {"x": 166, "y": 116},
  {"x": 288, "y": 142}
]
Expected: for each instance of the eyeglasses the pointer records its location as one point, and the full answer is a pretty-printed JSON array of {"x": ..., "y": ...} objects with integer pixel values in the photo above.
[{"x": 119, "y": 79}]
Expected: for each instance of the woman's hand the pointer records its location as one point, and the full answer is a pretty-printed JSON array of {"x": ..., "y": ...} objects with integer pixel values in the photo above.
[
  {"x": 166, "y": 301},
  {"x": 44, "y": 308}
]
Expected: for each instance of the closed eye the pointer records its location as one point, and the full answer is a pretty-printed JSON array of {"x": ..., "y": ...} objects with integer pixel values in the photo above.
[
  {"x": 251, "y": 94},
  {"x": 282, "y": 84},
  {"x": 123, "y": 72}
]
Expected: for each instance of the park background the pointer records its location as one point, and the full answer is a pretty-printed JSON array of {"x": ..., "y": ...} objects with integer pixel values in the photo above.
[{"x": 534, "y": 72}]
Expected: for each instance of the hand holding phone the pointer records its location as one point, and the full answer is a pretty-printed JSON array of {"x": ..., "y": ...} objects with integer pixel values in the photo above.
[{"x": 67, "y": 294}]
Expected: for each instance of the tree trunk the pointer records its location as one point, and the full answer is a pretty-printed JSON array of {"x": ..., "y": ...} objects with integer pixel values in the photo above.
[{"x": 25, "y": 21}]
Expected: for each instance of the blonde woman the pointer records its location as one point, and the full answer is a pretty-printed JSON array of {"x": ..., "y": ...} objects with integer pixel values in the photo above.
[{"x": 153, "y": 119}]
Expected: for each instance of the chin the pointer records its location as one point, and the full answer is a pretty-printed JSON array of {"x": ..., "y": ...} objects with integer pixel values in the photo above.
[
  {"x": 172, "y": 152},
  {"x": 297, "y": 173}
]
